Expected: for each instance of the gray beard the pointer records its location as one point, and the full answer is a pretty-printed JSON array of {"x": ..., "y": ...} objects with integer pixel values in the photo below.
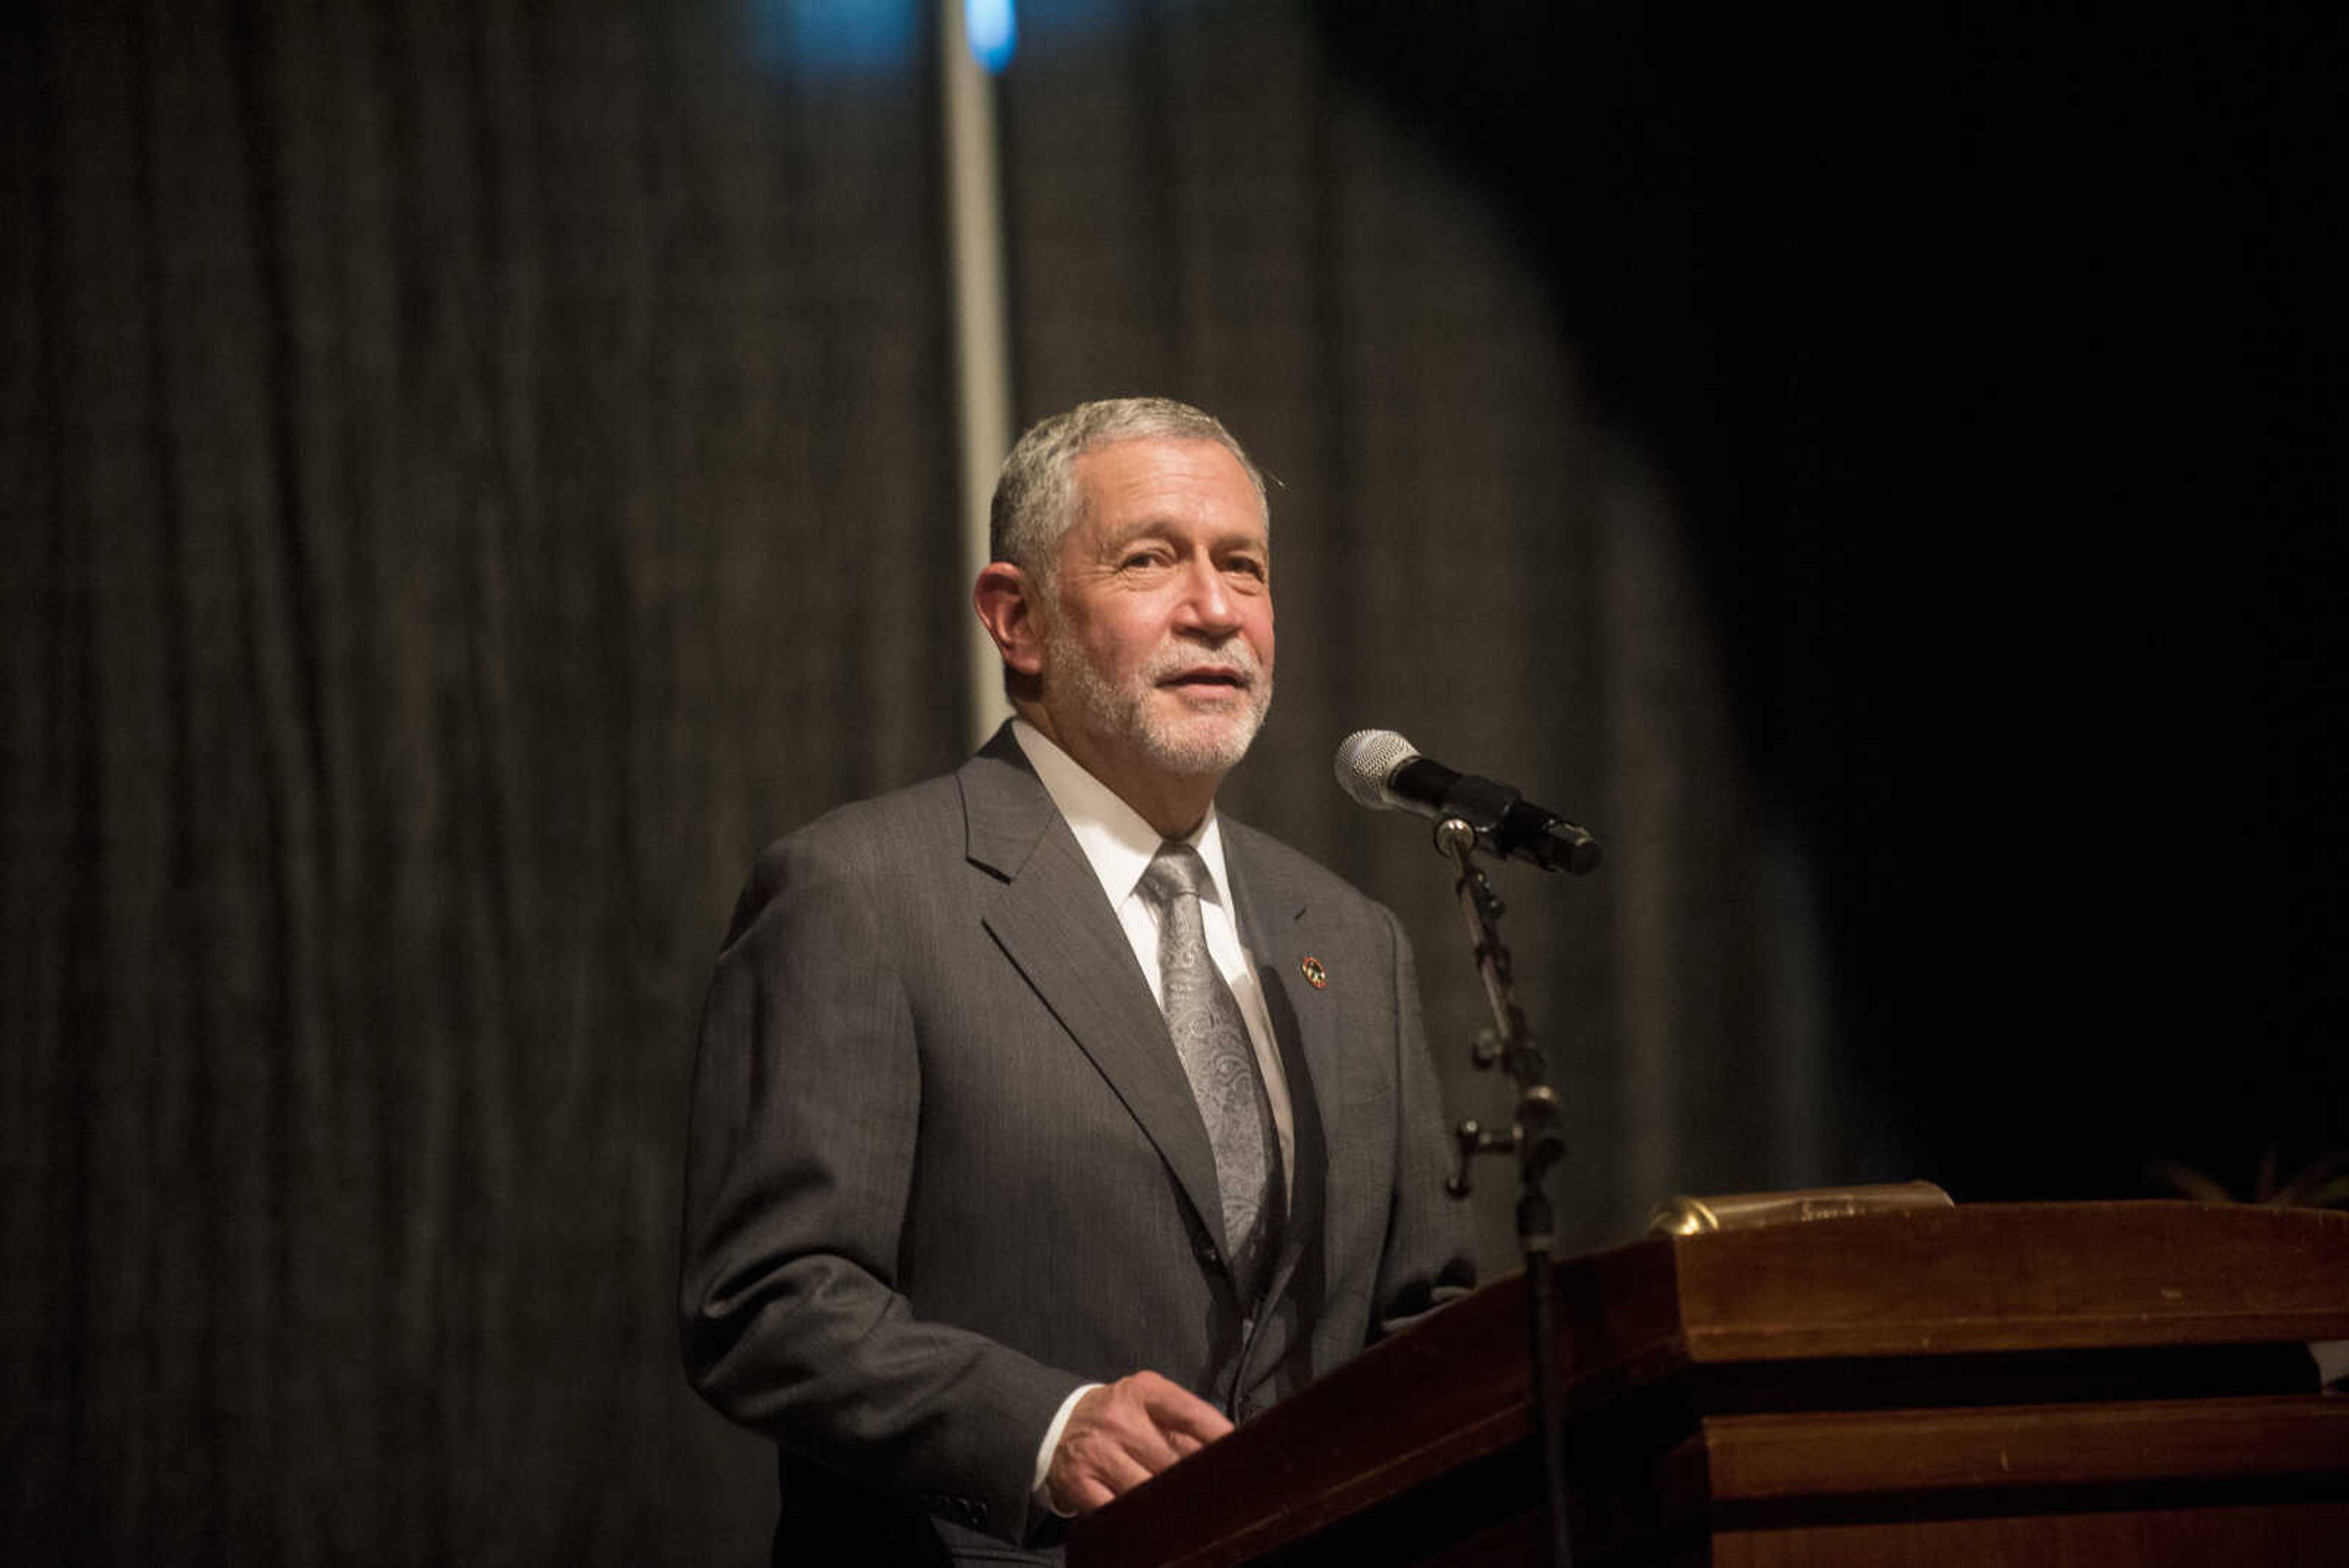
[{"x": 1183, "y": 749}]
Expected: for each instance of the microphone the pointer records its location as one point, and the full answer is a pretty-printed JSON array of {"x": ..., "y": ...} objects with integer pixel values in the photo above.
[{"x": 1384, "y": 771}]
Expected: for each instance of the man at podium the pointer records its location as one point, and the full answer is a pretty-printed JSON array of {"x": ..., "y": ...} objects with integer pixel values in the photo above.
[{"x": 1047, "y": 1122}]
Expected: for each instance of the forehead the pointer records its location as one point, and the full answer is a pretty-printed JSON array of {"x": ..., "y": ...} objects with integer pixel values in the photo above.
[{"x": 1134, "y": 485}]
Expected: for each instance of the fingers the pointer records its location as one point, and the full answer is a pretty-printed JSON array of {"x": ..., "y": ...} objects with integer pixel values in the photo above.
[
  {"x": 1087, "y": 1495},
  {"x": 1122, "y": 1433},
  {"x": 1178, "y": 1412}
]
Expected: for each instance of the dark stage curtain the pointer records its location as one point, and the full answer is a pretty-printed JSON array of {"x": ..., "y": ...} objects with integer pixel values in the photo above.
[
  {"x": 476, "y": 472},
  {"x": 473, "y": 473}
]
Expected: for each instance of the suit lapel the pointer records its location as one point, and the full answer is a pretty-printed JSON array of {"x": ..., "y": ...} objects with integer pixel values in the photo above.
[
  {"x": 1054, "y": 922},
  {"x": 1277, "y": 924}
]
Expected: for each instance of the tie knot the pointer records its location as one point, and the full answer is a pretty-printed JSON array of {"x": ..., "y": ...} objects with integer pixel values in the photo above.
[{"x": 1175, "y": 870}]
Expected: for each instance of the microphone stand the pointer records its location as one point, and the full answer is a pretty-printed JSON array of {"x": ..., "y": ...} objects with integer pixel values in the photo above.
[{"x": 1537, "y": 1135}]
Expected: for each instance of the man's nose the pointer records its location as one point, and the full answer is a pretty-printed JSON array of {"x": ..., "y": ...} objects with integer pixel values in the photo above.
[{"x": 1207, "y": 603}]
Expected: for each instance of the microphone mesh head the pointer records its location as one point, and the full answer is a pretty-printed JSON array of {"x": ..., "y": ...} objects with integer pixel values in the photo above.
[{"x": 1366, "y": 759}]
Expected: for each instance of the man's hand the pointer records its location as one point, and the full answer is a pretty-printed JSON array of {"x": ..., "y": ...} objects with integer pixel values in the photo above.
[{"x": 1122, "y": 1433}]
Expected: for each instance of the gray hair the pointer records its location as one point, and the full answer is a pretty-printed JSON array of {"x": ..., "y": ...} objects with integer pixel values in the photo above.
[{"x": 1036, "y": 496}]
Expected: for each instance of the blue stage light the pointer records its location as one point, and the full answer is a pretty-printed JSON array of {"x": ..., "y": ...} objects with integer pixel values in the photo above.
[{"x": 993, "y": 31}]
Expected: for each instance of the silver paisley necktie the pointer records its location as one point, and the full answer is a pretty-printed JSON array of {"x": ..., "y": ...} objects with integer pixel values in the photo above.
[{"x": 1212, "y": 1039}]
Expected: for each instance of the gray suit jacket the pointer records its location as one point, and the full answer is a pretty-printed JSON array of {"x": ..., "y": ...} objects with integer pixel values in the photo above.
[{"x": 944, "y": 1165}]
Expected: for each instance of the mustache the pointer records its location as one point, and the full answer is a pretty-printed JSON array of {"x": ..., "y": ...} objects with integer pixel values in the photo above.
[{"x": 1233, "y": 654}]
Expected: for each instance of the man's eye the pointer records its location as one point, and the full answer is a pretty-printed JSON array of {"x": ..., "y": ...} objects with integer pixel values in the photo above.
[{"x": 1248, "y": 567}]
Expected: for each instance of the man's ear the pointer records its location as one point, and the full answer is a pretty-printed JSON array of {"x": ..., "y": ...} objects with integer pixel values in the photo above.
[{"x": 1004, "y": 596}]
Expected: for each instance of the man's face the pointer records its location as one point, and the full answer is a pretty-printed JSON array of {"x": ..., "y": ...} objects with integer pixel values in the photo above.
[{"x": 1157, "y": 646}]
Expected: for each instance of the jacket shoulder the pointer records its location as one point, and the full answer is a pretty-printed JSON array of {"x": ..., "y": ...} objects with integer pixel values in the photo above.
[
  {"x": 1280, "y": 871},
  {"x": 880, "y": 842},
  {"x": 919, "y": 809}
]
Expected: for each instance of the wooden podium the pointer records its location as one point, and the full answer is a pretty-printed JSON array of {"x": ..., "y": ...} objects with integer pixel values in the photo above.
[{"x": 2099, "y": 1383}]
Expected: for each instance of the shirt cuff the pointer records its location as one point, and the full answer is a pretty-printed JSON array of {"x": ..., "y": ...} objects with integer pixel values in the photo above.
[{"x": 1051, "y": 1444}]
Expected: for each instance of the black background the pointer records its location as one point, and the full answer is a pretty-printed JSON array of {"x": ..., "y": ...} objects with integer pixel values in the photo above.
[{"x": 1999, "y": 352}]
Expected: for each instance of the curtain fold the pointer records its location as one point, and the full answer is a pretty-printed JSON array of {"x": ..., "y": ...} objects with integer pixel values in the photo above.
[{"x": 476, "y": 474}]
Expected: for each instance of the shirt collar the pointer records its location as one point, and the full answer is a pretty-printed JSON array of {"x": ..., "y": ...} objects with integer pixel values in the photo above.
[{"x": 1117, "y": 843}]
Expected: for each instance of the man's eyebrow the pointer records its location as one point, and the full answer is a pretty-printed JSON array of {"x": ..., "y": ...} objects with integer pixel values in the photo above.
[
  {"x": 1136, "y": 530},
  {"x": 1152, "y": 527}
]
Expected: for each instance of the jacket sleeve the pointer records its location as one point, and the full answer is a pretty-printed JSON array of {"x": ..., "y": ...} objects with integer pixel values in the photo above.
[{"x": 806, "y": 1104}]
